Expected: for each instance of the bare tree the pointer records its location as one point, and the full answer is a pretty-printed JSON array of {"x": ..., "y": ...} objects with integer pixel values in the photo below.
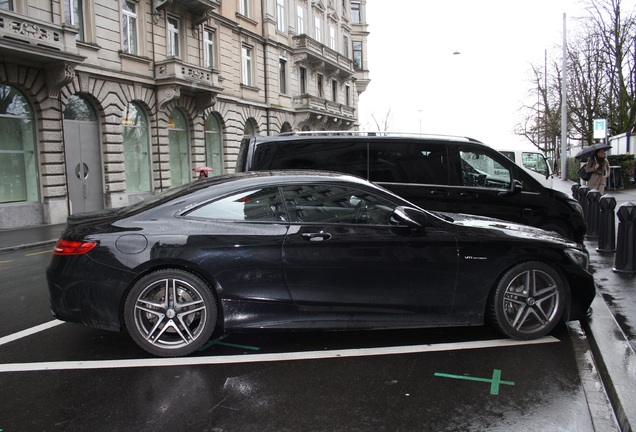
[
  {"x": 384, "y": 123},
  {"x": 601, "y": 59}
]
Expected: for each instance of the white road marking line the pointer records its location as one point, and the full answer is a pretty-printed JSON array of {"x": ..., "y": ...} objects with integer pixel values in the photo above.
[
  {"x": 29, "y": 332},
  {"x": 255, "y": 358}
]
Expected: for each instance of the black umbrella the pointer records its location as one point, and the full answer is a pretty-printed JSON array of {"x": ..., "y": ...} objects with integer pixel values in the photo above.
[{"x": 588, "y": 151}]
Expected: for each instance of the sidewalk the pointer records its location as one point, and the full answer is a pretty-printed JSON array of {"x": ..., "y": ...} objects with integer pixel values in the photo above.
[{"x": 611, "y": 330}]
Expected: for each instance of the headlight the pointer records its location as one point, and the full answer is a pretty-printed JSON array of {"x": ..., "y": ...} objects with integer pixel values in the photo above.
[{"x": 579, "y": 257}]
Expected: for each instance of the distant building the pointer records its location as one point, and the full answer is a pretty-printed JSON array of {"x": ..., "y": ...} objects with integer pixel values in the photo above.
[{"x": 103, "y": 102}]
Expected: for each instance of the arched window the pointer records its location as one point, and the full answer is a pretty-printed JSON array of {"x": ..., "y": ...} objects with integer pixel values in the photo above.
[
  {"x": 77, "y": 108},
  {"x": 213, "y": 145},
  {"x": 179, "y": 149},
  {"x": 18, "y": 159},
  {"x": 249, "y": 129},
  {"x": 136, "y": 149}
]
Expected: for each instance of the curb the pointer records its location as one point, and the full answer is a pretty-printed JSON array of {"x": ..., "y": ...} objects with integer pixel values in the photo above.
[{"x": 617, "y": 372}]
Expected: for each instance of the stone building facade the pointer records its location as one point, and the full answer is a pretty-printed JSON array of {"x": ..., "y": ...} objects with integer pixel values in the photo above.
[{"x": 104, "y": 102}]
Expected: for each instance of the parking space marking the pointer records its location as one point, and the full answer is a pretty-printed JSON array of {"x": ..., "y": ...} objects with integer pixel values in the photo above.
[
  {"x": 257, "y": 358},
  {"x": 494, "y": 382},
  {"x": 29, "y": 332}
]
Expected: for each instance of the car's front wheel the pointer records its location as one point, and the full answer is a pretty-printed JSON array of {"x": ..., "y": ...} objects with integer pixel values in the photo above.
[
  {"x": 170, "y": 313},
  {"x": 528, "y": 301}
]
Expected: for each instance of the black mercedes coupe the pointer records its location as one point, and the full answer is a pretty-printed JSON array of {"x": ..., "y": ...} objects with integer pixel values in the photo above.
[{"x": 305, "y": 251}]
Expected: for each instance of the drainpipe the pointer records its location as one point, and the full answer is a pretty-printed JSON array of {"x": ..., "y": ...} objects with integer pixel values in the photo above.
[
  {"x": 267, "y": 108},
  {"x": 154, "y": 77}
]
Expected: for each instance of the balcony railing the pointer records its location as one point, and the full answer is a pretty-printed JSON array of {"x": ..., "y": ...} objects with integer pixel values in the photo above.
[
  {"x": 320, "y": 106},
  {"x": 19, "y": 33},
  {"x": 319, "y": 53},
  {"x": 175, "y": 71}
]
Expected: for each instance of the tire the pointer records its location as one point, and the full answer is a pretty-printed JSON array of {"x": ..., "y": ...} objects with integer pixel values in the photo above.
[
  {"x": 170, "y": 313},
  {"x": 528, "y": 301}
]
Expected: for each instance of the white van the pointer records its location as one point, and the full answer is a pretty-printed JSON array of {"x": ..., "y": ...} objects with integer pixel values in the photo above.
[{"x": 534, "y": 162}]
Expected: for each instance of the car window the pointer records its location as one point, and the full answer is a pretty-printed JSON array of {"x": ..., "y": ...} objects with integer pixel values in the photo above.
[
  {"x": 261, "y": 205},
  {"x": 479, "y": 169},
  {"x": 535, "y": 162},
  {"x": 336, "y": 204},
  {"x": 408, "y": 162}
]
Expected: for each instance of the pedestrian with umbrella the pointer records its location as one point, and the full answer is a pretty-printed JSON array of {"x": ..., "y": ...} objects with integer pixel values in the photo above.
[
  {"x": 597, "y": 165},
  {"x": 203, "y": 171}
]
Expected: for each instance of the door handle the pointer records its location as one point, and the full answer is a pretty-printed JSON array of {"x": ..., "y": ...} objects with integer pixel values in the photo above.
[
  {"x": 319, "y": 236},
  {"x": 468, "y": 195},
  {"x": 439, "y": 193}
]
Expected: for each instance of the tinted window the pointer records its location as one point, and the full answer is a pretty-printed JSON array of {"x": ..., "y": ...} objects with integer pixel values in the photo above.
[
  {"x": 346, "y": 157},
  {"x": 262, "y": 205},
  {"x": 479, "y": 169},
  {"x": 408, "y": 162},
  {"x": 335, "y": 204}
]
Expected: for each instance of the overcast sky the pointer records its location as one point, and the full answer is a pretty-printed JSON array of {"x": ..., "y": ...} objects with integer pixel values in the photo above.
[{"x": 477, "y": 93}]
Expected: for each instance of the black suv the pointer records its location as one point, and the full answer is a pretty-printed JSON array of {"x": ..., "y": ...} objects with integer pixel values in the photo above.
[{"x": 440, "y": 173}]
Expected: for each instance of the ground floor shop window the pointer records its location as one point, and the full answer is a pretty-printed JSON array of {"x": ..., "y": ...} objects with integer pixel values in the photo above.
[
  {"x": 180, "y": 172},
  {"x": 18, "y": 159},
  {"x": 136, "y": 149},
  {"x": 213, "y": 145}
]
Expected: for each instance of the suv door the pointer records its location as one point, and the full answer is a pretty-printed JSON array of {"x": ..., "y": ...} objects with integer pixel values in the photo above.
[{"x": 418, "y": 171}]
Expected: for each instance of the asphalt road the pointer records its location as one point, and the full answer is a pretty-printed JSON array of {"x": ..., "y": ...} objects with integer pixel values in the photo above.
[{"x": 64, "y": 377}]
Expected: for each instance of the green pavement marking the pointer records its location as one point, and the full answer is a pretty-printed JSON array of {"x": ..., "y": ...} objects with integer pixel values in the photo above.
[
  {"x": 495, "y": 381},
  {"x": 217, "y": 341}
]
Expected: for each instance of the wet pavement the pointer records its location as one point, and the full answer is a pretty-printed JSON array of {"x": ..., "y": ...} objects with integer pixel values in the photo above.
[{"x": 610, "y": 331}]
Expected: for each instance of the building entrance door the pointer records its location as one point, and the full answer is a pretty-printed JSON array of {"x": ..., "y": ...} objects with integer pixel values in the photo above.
[{"x": 83, "y": 166}]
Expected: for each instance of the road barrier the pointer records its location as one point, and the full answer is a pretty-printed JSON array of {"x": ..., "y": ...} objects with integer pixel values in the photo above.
[
  {"x": 574, "y": 189},
  {"x": 606, "y": 224},
  {"x": 592, "y": 209},
  {"x": 625, "y": 258},
  {"x": 581, "y": 197}
]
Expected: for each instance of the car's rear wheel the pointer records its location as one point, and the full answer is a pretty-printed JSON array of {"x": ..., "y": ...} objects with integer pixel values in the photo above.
[
  {"x": 170, "y": 312},
  {"x": 528, "y": 301}
]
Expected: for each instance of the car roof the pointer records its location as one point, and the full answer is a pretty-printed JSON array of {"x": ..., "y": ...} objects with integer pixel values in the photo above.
[{"x": 362, "y": 135}]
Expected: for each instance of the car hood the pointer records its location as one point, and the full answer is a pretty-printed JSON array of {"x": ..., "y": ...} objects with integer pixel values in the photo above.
[{"x": 507, "y": 228}]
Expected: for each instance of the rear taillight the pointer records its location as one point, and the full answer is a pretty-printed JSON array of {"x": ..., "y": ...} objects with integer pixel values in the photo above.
[{"x": 68, "y": 247}]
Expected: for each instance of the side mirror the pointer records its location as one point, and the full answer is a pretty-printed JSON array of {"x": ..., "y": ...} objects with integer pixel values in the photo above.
[{"x": 410, "y": 217}]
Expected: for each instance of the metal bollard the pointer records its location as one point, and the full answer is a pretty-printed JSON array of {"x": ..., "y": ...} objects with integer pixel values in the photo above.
[
  {"x": 606, "y": 224},
  {"x": 582, "y": 193},
  {"x": 625, "y": 259},
  {"x": 592, "y": 198},
  {"x": 575, "y": 187}
]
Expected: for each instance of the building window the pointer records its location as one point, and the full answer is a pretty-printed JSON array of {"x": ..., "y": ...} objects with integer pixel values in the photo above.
[
  {"x": 173, "y": 37},
  {"x": 319, "y": 85},
  {"x": 74, "y": 17},
  {"x": 129, "y": 26},
  {"x": 357, "y": 54},
  {"x": 244, "y": 7},
  {"x": 348, "y": 95},
  {"x": 6, "y": 4},
  {"x": 282, "y": 75},
  {"x": 247, "y": 65},
  {"x": 280, "y": 15},
  {"x": 213, "y": 145},
  {"x": 18, "y": 162},
  {"x": 303, "y": 80},
  {"x": 178, "y": 143},
  {"x": 136, "y": 149},
  {"x": 332, "y": 38},
  {"x": 345, "y": 46},
  {"x": 334, "y": 90},
  {"x": 208, "y": 48},
  {"x": 317, "y": 29},
  {"x": 356, "y": 16},
  {"x": 300, "y": 20}
]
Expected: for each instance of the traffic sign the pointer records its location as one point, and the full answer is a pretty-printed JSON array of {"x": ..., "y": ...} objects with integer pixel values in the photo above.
[{"x": 600, "y": 128}]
